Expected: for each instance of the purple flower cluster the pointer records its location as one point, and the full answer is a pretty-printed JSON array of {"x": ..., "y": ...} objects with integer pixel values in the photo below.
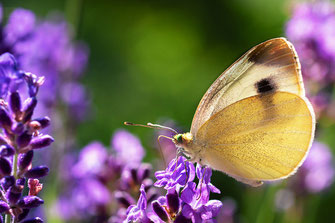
[
  {"x": 46, "y": 47},
  {"x": 104, "y": 183},
  {"x": 115, "y": 187},
  {"x": 312, "y": 31},
  {"x": 19, "y": 139},
  {"x": 185, "y": 201},
  {"x": 317, "y": 173}
]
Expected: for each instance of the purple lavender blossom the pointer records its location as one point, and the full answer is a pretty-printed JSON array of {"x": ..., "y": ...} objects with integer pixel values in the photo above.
[
  {"x": 137, "y": 213},
  {"x": 204, "y": 175},
  {"x": 20, "y": 24},
  {"x": 103, "y": 181},
  {"x": 19, "y": 137},
  {"x": 228, "y": 211},
  {"x": 312, "y": 31},
  {"x": 317, "y": 173},
  {"x": 197, "y": 205},
  {"x": 176, "y": 175},
  {"x": 46, "y": 47},
  {"x": 192, "y": 203},
  {"x": 10, "y": 76},
  {"x": 92, "y": 160},
  {"x": 128, "y": 148}
]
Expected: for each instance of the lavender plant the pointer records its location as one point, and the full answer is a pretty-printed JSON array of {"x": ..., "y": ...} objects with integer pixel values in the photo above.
[
  {"x": 106, "y": 181},
  {"x": 46, "y": 47},
  {"x": 312, "y": 31},
  {"x": 19, "y": 140},
  {"x": 107, "y": 185}
]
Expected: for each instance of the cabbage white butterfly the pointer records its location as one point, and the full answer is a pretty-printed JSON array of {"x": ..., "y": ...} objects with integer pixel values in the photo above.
[{"x": 254, "y": 122}]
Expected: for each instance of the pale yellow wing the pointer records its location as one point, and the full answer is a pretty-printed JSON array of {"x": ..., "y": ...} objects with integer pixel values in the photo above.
[
  {"x": 263, "y": 137},
  {"x": 273, "y": 65}
]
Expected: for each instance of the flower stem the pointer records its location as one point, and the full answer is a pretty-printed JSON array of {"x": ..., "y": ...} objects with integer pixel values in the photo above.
[
  {"x": 8, "y": 217},
  {"x": 15, "y": 165}
]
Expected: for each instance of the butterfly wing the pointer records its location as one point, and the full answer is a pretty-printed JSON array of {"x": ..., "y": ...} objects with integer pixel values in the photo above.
[
  {"x": 272, "y": 64},
  {"x": 255, "y": 122},
  {"x": 263, "y": 137}
]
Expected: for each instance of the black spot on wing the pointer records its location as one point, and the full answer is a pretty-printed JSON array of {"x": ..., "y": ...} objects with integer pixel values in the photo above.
[{"x": 265, "y": 85}]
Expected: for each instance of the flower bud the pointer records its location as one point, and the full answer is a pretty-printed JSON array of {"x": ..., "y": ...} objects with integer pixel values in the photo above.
[
  {"x": 172, "y": 200},
  {"x": 33, "y": 220},
  {"x": 23, "y": 215},
  {"x": 5, "y": 120},
  {"x": 29, "y": 107},
  {"x": 182, "y": 219},
  {"x": 13, "y": 195},
  {"x": 3, "y": 207},
  {"x": 44, "y": 122},
  {"x": 159, "y": 210},
  {"x": 20, "y": 182},
  {"x": 37, "y": 172},
  {"x": 145, "y": 170},
  {"x": 133, "y": 173},
  {"x": 124, "y": 199},
  {"x": 17, "y": 128},
  {"x": 15, "y": 103},
  {"x": 7, "y": 182},
  {"x": 24, "y": 139},
  {"x": 40, "y": 142},
  {"x": 30, "y": 202},
  {"x": 34, "y": 126},
  {"x": 25, "y": 159},
  {"x": 6, "y": 150},
  {"x": 27, "y": 117},
  {"x": 5, "y": 167}
]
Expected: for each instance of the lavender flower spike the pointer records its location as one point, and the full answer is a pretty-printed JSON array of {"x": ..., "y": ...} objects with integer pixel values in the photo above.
[
  {"x": 137, "y": 212},
  {"x": 176, "y": 175},
  {"x": 20, "y": 134}
]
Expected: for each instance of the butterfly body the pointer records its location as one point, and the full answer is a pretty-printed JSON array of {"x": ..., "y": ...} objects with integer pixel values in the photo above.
[{"x": 254, "y": 122}]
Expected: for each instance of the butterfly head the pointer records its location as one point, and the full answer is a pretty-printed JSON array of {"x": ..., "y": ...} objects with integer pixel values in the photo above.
[{"x": 183, "y": 140}]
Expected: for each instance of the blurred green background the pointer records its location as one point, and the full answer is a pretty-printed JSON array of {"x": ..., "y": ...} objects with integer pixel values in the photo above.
[{"x": 154, "y": 59}]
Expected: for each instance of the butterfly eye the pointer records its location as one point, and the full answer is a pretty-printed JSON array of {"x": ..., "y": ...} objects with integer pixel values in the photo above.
[{"x": 179, "y": 138}]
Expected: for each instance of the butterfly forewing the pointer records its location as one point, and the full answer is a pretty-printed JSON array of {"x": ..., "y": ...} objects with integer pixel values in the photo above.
[{"x": 269, "y": 66}]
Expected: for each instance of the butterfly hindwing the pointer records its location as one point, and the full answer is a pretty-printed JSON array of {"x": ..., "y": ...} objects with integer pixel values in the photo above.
[{"x": 263, "y": 137}]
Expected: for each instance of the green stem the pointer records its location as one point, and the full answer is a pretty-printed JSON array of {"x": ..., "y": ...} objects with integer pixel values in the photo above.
[
  {"x": 266, "y": 212},
  {"x": 8, "y": 217},
  {"x": 15, "y": 166}
]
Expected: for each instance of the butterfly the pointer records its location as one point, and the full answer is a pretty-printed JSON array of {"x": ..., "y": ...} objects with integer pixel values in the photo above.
[{"x": 254, "y": 123}]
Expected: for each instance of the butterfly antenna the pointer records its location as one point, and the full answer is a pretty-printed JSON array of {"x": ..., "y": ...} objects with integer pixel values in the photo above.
[
  {"x": 156, "y": 126},
  {"x": 153, "y": 126}
]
